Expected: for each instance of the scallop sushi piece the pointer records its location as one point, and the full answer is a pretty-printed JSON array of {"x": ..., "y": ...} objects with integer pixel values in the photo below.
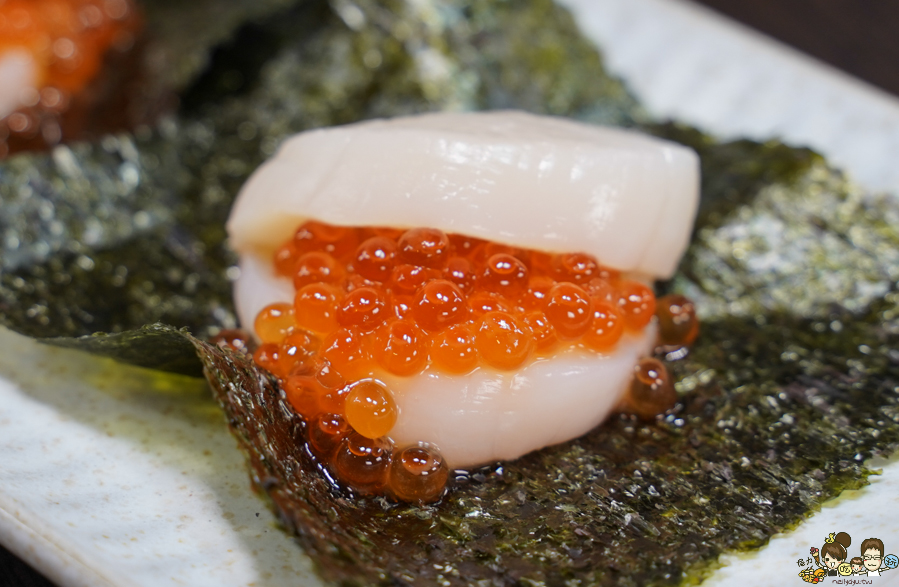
[{"x": 464, "y": 287}]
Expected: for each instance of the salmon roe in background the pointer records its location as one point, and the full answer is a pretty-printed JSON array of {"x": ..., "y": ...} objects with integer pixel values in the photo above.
[
  {"x": 68, "y": 41},
  {"x": 373, "y": 298}
]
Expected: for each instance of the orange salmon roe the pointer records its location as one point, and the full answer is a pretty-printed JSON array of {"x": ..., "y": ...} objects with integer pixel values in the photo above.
[
  {"x": 569, "y": 310},
  {"x": 337, "y": 241},
  {"x": 606, "y": 327},
  {"x": 577, "y": 268},
  {"x": 315, "y": 307},
  {"x": 296, "y": 350},
  {"x": 267, "y": 356},
  {"x": 651, "y": 392},
  {"x": 453, "y": 350},
  {"x": 460, "y": 271},
  {"x": 303, "y": 393},
  {"x": 678, "y": 324},
  {"x": 375, "y": 300},
  {"x": 424, "y": 247},
  {"x": 504, "y": 341},
  {"x": 326, "y": 432},
  {"x": 482, "y": 302},
  {"x": 439, "y": 304},
  {"x": 511, "y": 301},
  {"x": 362, "y": 462},
  {"x": 317, "y": 267},
  {"x": 68, "y": 41},
  {"x": 401, "y": 348},
  {"x": 505, "y": 275},
  {"x": 418, "y": 474},
  {"x": 234, "y": 340},
  {"x": 538, "y": 288},
  {"x": 370, "y": 409},
  {"x": 347, "y": 353},
  {"x": 364, "y": 309},
  {"x": 375, "y": 258},
  {"x": 545, "y": 337},
  {"x": 274, "y": 322},
  {"x": 637, "y": 304}
]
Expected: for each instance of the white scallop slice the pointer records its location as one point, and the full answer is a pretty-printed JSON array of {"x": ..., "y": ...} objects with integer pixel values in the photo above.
[
  {"x": 491, "y": 415},
  {"x": 536, "y": 182},
  {"x": 18, "y": 76},
  {"x": 530, "y": 181}
]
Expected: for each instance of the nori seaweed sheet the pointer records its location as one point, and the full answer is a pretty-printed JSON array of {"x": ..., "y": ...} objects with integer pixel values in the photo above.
[
  {"x": 760, "y": 440},
  {"x": 793, "y": 383}
]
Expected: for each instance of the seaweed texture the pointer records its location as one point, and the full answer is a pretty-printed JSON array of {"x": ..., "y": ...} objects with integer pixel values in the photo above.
[
  {"x": 184, "y": 33},
  {"x": 749, "y": 452},
  {"x": 793, "y": 383}
]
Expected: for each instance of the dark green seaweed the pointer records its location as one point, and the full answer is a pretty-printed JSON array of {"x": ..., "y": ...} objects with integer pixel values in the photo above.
[
  {"x": 156, "y": 346},
  {"x": 791, "y": 386},
  {"x": 184, "y": 34},
  {"x": 775, "y": 418}
]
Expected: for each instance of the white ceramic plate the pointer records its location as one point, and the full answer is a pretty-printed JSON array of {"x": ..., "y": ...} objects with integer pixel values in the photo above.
[{"x": 114, "y": 476}]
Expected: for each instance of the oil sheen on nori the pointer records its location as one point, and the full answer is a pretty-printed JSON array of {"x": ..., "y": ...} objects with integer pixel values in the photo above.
[{"x": 791, "y": 386}]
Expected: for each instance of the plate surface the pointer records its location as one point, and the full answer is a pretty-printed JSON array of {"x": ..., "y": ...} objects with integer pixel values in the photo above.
[{"x": 114, "y": 476}]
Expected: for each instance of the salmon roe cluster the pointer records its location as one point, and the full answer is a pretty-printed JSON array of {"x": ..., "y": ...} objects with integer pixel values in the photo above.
[
  {"x": 68, "y": 40},
  {"x": 369, "y": 300}
]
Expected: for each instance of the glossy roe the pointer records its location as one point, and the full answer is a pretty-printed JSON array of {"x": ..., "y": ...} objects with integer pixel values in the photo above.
[{"x": 373, "y": 300}]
